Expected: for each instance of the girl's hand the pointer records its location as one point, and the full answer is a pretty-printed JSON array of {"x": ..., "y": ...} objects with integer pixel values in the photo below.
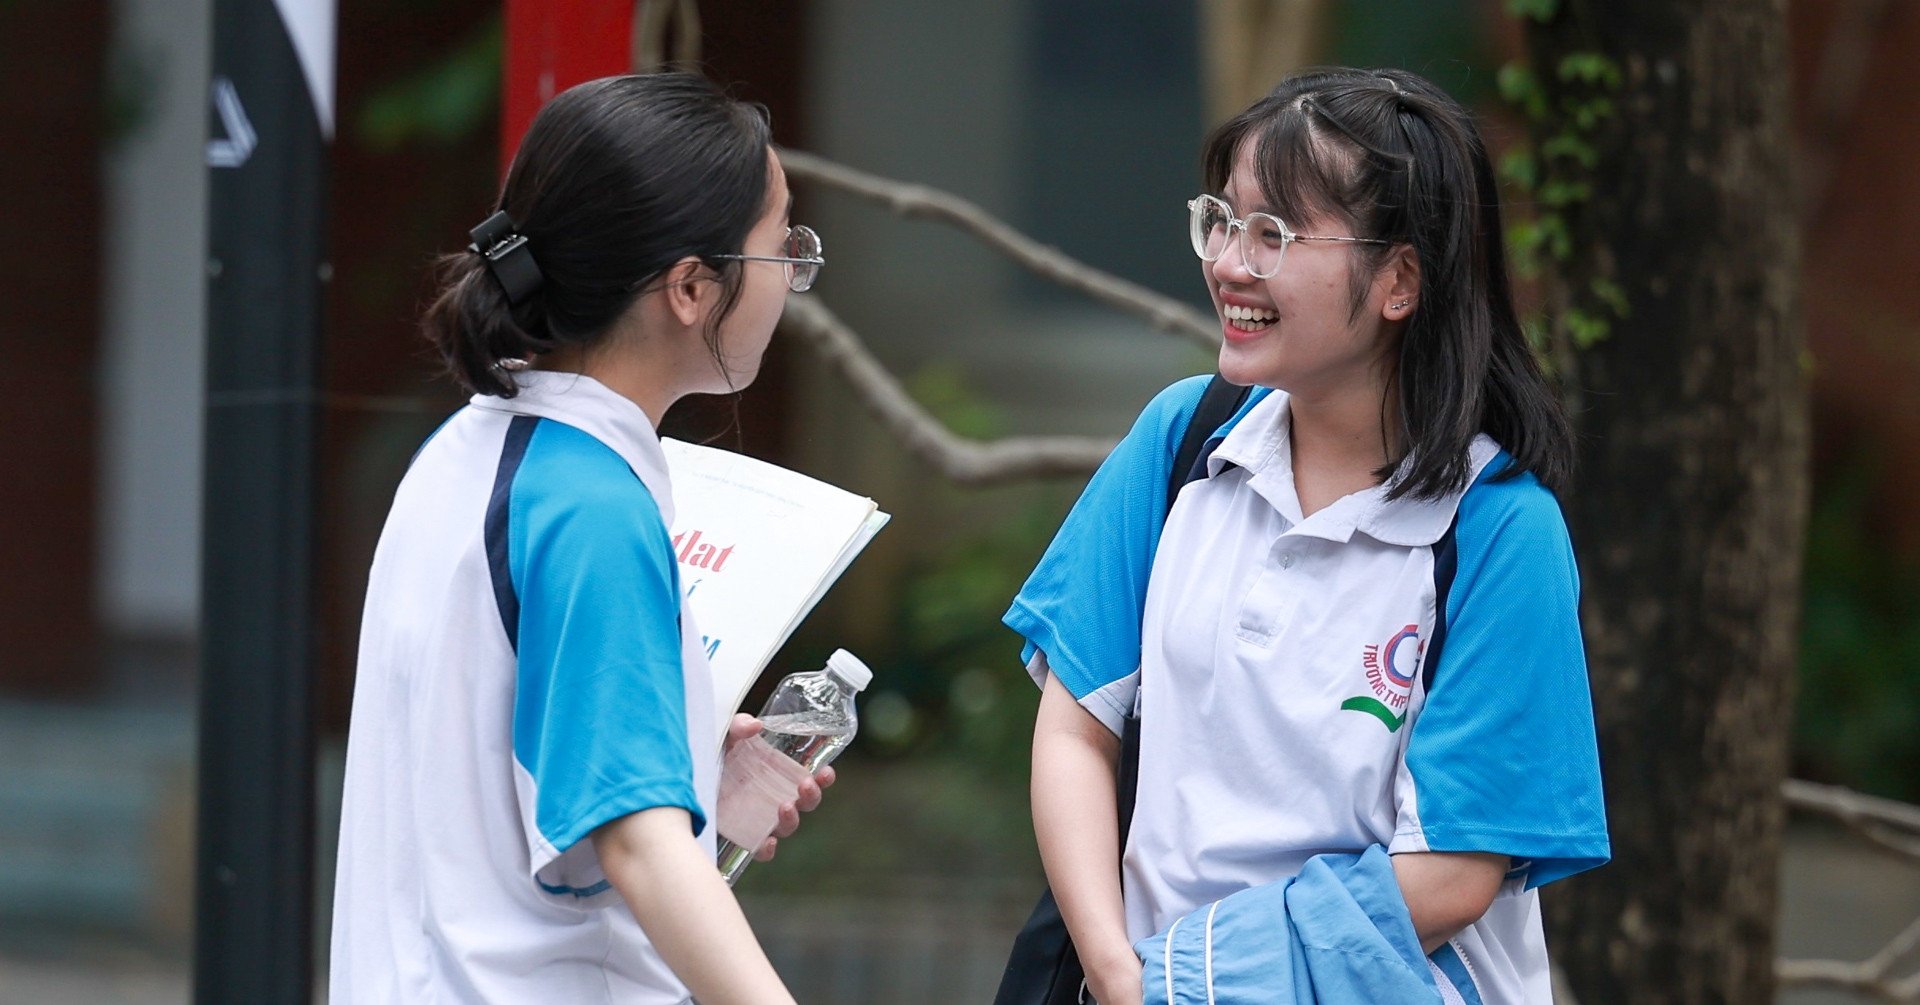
[{"x": 745, "y": 727}]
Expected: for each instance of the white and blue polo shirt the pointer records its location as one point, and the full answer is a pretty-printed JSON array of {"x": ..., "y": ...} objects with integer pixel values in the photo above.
[
  {"x": 526, "y": 674},
  {"x": 1404, "y": 673}
]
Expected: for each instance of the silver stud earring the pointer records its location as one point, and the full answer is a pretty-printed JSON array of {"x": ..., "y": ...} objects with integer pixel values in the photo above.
[
  {"x": 511, "y": 364},
  {"x": 1402, "y": 305}
]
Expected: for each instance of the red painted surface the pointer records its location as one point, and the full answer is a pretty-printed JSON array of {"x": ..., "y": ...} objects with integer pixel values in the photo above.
[
  {"x": 553, "y": 45},
  {"x": 53, "y": 74}
]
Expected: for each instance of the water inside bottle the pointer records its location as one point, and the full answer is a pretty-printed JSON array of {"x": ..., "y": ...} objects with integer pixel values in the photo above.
[{"x": 810, "y": 738}]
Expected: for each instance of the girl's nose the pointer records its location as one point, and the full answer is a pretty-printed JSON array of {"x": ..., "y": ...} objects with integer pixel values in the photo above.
[{"x": 1231, "y": 266}]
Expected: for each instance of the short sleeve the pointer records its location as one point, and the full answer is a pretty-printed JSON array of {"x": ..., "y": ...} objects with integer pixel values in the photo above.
[
  {"x": 1502, "y": 755},
  {"x": 1080, "y": 609},
  {"x": 600, "y": 724}
]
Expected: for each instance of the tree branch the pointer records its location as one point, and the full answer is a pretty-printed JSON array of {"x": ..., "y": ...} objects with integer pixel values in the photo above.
[
  {"x": 1869, "y": 976},
  {"x": 922, "y": 202},
  {"x": 967, "y": 462},
  {"x": 1890, "y": 825}
]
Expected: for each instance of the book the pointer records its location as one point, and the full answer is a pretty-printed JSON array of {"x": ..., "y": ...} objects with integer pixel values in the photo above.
[{"x": 758, "y": 546}]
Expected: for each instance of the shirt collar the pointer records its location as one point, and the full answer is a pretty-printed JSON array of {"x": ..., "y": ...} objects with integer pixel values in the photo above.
[
  {"x": 600, "y": 412},
  {"x": 1261, "y": 445}
]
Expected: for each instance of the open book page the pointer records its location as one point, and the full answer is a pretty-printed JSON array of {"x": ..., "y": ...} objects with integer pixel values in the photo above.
[{"x": 758, "y": 546}]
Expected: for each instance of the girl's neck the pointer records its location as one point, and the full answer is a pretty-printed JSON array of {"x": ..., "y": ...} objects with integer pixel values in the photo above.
[
  {"x": 1340, "y": 441},
  {"x": 628, "y": 364}
]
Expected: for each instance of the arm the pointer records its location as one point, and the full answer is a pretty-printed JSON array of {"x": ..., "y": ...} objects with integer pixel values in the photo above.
[
  {"x": 1447, "y": 891},
  {"x": 685, "y": 907},
  {"x": 1076, "y": 821}
]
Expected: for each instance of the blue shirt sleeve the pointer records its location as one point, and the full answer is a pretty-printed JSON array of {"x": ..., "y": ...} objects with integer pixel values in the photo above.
[
  {"x": 1083, "y": 603},
  {"x": 600, "y": 724},
  {"x": 1502, "y": 755}
]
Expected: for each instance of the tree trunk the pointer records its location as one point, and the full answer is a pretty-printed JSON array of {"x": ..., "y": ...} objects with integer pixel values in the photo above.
[
  {"x": 1250, "y": 44},
  {"x": 1690, "y": 503}
]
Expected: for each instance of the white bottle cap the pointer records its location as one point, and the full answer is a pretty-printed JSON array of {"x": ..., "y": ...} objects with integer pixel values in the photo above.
[{"x": 848, "y": 668}]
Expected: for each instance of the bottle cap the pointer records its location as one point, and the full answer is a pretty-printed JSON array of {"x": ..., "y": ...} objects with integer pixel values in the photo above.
[{"x": 848, "y": 668}]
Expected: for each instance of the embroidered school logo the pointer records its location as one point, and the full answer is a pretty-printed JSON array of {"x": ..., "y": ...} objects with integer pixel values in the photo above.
[{"x": 1390, "y": 668}]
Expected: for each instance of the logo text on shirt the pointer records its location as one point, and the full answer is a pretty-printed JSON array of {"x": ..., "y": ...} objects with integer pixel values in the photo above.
[{"x": 1390, "y": 667}]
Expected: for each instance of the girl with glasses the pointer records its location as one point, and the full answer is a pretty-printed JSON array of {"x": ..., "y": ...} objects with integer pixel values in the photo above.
[
  {"x": 1352, "y": 643},
  {"x": 531, "y": 770}
]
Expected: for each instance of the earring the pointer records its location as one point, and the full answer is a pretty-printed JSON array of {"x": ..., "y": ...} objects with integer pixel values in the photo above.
[{"x": 1402, "y": 305}]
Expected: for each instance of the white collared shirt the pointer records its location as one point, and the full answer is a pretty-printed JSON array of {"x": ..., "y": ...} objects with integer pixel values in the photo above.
[
  {"x": 1384, "y": 672},
  {"x": 526, "y": 674}
]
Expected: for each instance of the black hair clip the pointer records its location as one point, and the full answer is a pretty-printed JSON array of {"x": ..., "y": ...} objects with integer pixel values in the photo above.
[{"x": 507, "y": 257}]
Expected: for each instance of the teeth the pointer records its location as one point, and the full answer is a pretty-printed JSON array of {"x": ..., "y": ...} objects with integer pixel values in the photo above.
[{"x": 1250, "y": 314}]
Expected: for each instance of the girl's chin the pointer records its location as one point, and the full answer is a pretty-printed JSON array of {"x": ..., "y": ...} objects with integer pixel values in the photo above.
[{"x": 1243, "y": 368}]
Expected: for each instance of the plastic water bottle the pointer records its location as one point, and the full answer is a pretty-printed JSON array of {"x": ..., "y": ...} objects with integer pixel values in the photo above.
[{"x": 806, "y": 723}]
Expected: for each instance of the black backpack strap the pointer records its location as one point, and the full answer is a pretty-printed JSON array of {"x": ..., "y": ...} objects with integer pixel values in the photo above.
[{"x": 1217, "y": 404}]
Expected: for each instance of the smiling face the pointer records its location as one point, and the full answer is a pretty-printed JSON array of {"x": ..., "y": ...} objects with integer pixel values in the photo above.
[{"x": 1297, "y": 331}]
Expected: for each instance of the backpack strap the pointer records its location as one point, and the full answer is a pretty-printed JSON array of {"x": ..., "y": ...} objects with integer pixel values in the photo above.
[{"x": 1218, "y": 403}]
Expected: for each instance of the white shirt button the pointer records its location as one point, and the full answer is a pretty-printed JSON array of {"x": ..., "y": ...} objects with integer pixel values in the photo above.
[{"x": 1286, "y": 560}]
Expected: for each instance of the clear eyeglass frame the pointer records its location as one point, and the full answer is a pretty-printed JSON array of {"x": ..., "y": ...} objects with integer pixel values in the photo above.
[
  {"x": 1211, "y": 223},
  {"x": 803, "y": 258}
]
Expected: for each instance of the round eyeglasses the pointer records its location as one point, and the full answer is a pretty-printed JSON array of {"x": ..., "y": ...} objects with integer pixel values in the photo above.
[
  {"x": 803, "y": 259},
  {"x": 1263, "y": 236}
]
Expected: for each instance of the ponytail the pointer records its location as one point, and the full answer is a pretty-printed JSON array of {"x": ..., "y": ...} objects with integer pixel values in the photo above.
[{"x": 475, "y": 329}]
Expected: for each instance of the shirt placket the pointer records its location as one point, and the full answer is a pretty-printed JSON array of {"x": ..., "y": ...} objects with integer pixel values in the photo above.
[{"x": 1270, "y": 602}]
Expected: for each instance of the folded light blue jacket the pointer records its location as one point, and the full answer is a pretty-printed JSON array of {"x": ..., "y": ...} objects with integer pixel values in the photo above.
[{"x": 1337, "y": 932}]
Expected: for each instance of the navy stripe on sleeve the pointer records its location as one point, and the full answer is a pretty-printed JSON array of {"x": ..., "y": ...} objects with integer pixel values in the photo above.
[
  {"x": 1446, "y": 562},
  {"x": 519, "y": 432}
]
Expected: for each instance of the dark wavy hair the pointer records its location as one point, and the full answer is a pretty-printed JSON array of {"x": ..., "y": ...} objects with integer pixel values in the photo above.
[
  {"x": 616, "y": 180},
  {"x": 1393, "y": 157}
]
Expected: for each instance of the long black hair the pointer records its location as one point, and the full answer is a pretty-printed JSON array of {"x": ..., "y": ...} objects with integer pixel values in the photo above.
[
  {"x": 616, "y": 180},
  {"x": 1395, "y": 158}
]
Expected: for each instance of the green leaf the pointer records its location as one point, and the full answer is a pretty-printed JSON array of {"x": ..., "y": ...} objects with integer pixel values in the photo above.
[
  {"x": 1519, "y": 88},
  {"x": 1523, "y": 244},
  {"x": 1609, "y": 292},
  {"x": 1538, "y": 10},
  {"x": 1586, "y": 329},
  {"x": 441, "y": 103},
  {"x": 1559, "y": 193},
  {"x": 1590, "y": 68},
  {"x": 1570, "y": 146},
  {"x": 1588, "y": 113},
  {"x": 1558, "y": 238},
  {"x": 1520, "y": 169}
]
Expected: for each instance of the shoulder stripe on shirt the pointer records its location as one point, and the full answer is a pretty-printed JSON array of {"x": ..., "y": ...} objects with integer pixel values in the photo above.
[
  {"x": 512, "y": 452},
  {"x": 1446, "y": 562}
]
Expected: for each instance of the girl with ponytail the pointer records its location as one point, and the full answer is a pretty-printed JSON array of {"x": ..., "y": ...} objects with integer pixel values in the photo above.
[
  {"x": 531, "y": 770},
  {"x": 1352, "y": 643}
]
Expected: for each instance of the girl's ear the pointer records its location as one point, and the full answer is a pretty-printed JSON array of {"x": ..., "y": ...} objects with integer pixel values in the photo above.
[
  {"x": 1401, "y": 275},
  {"x": 686, "y": 287}
]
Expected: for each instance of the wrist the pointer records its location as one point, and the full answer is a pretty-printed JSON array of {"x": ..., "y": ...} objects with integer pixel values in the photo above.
[{"x": 1109, "y": 956}]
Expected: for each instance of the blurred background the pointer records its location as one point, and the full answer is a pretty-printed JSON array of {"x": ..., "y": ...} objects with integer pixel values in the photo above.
[{"x": 1079, "y": 122}]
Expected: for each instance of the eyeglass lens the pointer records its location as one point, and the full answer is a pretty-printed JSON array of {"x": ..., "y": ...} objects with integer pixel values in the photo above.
[
  {"x": 1263, "y": 237},
  {"x": 802, "y": 242}
]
